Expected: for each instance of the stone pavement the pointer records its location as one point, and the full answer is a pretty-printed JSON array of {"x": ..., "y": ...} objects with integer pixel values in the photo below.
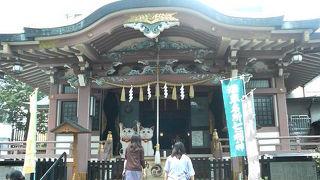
[{"x": 152, "y": 178}]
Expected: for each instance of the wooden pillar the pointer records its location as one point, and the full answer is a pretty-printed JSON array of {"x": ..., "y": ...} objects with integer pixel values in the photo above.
[
  {"x": 84, "y": 142},
  {"x": 237, "y": 161},
  {"x": 52, "y": 117},
  {"x": 282, "y": 112},
  {"x": 75, "y": 157}
]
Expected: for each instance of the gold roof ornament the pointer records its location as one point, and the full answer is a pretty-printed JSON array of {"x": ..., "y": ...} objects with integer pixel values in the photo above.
[
  {"x": 151, "y": 24},
  {"x": 152, "y": 18}
]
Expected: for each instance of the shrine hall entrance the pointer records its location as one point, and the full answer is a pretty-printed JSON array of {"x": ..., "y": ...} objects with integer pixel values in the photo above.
[
  {"x": 174, "y": 121},
  {"x": 191, "y": 120}
]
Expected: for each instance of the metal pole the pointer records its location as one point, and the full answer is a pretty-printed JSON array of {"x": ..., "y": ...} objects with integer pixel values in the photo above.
[
  {"x": 157, "y": 154},
  {"x": 158, "y": 90}
]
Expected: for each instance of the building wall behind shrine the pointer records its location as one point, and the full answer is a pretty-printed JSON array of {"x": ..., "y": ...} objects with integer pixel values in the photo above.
[
  {"x": 315, "y": 112},
  {"x": 297, "y": 107},
  {"x": 301, "y": 106},
  {"x": 271, "y": 109}
]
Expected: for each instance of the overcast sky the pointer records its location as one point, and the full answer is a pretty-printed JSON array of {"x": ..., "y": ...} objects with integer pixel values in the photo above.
[{"x": 16, "y": 14}]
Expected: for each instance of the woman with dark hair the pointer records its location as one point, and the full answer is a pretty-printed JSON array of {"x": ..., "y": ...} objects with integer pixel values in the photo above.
[
  {"x": 134, "y": 159},
  {"x": 178, "y": 165}
]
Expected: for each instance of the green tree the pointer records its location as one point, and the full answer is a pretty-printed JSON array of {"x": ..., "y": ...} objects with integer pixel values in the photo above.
[
  {"x": 13, "y": 97},
  {"x": 42, "y": 121}
]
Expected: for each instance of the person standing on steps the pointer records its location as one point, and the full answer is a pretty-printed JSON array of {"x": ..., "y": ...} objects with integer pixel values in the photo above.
[
  {"x": 178, "y": 165},
  {"x": 134, "y": 159}
]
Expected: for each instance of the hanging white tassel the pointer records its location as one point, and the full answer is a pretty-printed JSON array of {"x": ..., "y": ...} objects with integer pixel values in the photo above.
[
  {"x": 149, "y": 91},
  {"x": 131, "y": 94},
  {"x": 165, "y": 90},
  {"x": 182, "y": 92}
]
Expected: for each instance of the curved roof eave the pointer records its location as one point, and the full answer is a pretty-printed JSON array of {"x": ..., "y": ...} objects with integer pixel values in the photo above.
[
  {"x": 303, "y": 24},
  {"x": 13, "y": 37},
  {"x": 133, "y": 4},
  {"x": 125, "y": 4},
  {"x": 277, "y": 22}
]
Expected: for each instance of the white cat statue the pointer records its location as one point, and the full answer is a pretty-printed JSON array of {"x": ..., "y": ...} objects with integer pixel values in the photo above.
[
  {"x": 146, "y": 135},
  {"x": 125, "y": 138}
]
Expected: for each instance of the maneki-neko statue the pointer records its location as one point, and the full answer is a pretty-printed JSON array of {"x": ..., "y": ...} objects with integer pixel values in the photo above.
[
  {"x": 125, "y": 138},
  {"x": 146, "y": 135}
]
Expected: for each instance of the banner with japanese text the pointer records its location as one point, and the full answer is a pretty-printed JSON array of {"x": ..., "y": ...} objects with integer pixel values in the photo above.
[
  {"x": 232, "y": 90},
  {"x": 250, "y": 136},
  {"x": 30, "y": 157}
]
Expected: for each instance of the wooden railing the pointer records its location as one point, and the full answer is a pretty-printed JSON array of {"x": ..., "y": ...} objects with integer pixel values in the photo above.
[
  {"x": 42, "y": 166},
  {"x": 105, "y": 169},
  {"x": 299, "y": 125},
  {"x": 283, "y": 144},
  {"x": 19, "y": 135},
  {"x": 16, "y": 149},
  {"x": 215, "y": 169},
  {"x": 205, "y": 168},
  {"x": 58, "y": 170},
  {"x": 270, "y": 145}
]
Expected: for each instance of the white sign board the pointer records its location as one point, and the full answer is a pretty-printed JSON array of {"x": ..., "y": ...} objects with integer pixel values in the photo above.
[{"x": 197, "y": 138}]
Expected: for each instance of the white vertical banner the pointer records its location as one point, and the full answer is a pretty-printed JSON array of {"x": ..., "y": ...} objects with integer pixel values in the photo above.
[
  {"x": 30, "y": 157},
  {"x": 250, "y": 137}
]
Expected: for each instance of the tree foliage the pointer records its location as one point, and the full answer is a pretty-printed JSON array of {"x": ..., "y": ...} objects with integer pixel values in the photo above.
[
  {"x": 13, "y": 108},
  {"x": 42, "y": 123}
]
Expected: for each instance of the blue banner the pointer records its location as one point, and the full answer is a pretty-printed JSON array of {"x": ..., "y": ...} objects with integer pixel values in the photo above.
[{"x": 232, "y": 90}]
